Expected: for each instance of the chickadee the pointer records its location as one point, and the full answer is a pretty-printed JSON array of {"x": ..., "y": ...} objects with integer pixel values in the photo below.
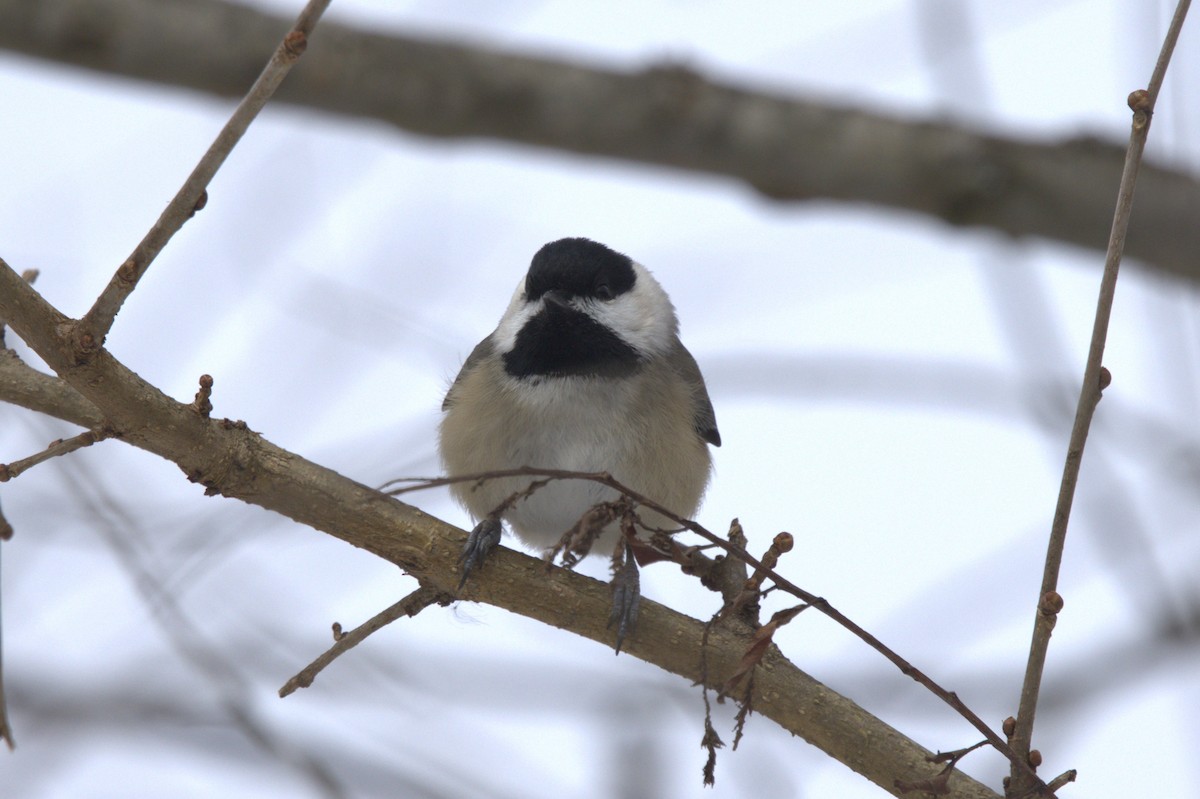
[{"x": 585, "y": 372}]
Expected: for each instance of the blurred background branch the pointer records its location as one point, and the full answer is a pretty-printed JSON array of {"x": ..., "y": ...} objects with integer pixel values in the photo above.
[{"x": 784, "y": 146}]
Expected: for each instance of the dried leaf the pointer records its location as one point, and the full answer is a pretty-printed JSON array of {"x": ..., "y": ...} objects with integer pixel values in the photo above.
[{"x": 759, "y": 643}]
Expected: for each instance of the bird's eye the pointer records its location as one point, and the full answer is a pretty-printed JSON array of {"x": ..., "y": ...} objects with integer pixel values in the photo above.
[{"x": 603, "y": 292}]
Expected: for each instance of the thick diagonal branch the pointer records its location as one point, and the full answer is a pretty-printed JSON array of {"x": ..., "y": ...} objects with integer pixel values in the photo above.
[{"x": 232, "y": 460}]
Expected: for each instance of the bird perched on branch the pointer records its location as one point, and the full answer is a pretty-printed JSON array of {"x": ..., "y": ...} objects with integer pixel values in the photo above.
[{"x": 586, "y": 373}]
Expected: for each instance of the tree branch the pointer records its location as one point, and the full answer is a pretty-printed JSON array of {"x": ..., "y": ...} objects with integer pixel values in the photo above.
[
  {"x": 761, "y": 568},
  {"x": 10, "y": 471},
  {"x": 230, "y": 459},
  {"x": 1095, "y": 380},
  {"x": 410, "y": 606},
  {"x": 192, "y": 195},
  {"x": 785, "y": 147},
  {"x": 21, "y": 384}
]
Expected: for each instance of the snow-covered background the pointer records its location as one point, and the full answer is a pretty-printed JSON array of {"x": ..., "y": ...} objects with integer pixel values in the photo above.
[{"x": 895, "y": 393}]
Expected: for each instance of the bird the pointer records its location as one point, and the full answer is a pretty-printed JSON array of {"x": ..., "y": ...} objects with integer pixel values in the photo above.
[{"x": 584, "y": 372}]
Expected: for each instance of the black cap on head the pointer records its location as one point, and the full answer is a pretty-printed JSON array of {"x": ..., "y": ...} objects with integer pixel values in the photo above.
[
  {"x": 562, "y": 339},
  {"x": 579, "y": 268}
]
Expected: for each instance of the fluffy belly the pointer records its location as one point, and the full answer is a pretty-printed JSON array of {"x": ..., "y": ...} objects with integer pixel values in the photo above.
[
  {"x": 619, "y": 434},
  {"x": 541, "y": 519},
  {"x": 544, "y": 516}
]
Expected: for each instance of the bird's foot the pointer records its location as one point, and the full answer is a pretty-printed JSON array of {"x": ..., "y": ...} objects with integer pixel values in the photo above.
[
  {"x": 627, "y": 596},
  {"x": 480, "y": 543}
]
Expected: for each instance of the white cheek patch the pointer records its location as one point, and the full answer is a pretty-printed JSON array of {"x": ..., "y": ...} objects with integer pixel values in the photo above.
[
  {"x": 643, "y": 317},
  {"x": 518, "y": 313}
]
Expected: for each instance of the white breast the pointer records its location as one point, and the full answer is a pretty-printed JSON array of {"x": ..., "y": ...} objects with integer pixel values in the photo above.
[
  {"x": 565, "y": 436},
  {"x": 573, "y": 423}
]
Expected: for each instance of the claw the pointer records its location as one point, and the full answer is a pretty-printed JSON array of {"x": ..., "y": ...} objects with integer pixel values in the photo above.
[
  {"x": 480, "y": 543},
  {"x": 627, "y": 596}
]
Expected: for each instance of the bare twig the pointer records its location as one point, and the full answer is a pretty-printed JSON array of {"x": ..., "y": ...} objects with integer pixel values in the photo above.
[
  {"x": 1062, "y": 779},
  {"x": 6, "y": 733},
  {"x": 752, "y": 588},
  {"x": 820, "y": 603},
  {"x": 1095, "y": 379},
  {"x": 411, "y": 605},
  {"x": 937, "y": 784},
  {"x": 192, "y": 196},
  {"x": 728, "y": 576},
  {"x": 10, "y": 471}
]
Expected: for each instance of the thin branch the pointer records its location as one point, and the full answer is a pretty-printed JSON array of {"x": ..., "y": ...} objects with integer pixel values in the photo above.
[
  {"x": 820, "y": 603},
  {"x": 192, "y": 196},
  {"x": 1062, "y": 779},
  {"x": 1095, "y": 379},
  {"x": 6, "y": 732},
  {"x": 937, "y": 785},
  {"x": 10, "y": 471},
  {"x": 410, "y": 605},
  {"x": 21, "y": 384}
]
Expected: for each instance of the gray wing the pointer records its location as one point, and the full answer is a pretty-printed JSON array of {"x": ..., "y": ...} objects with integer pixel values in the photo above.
[
  {"x": 703, "y": 416},
  {"x": 482, "y": 350}
]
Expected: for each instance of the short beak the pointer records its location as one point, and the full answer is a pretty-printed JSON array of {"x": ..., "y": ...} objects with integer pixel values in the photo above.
[{"x": 557, "y": 298}]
